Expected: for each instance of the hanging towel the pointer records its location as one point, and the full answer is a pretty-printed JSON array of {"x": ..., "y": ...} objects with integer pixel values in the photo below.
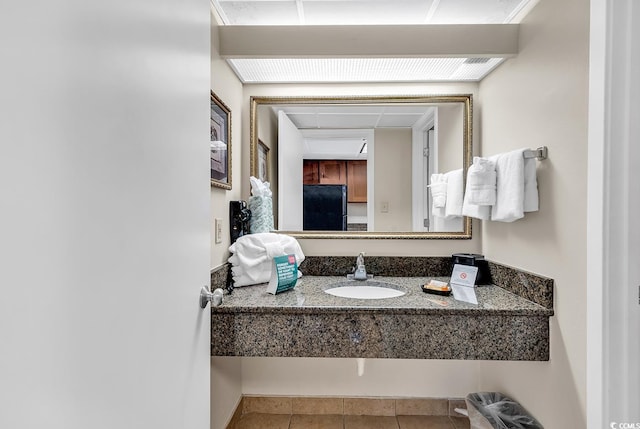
[
  {"x": 480, "y": 191},
  {"x": 509, "y": 204},
  {"x": 530, "y": 185},
  {"x": 481, "y": 182},
  {"x": 451, "y": 224},
  {"x": 474, "y": 210},
  {"x": 438, "y": 189},
  {"x": 252, "y": 256},
  {"x": 455, "y": 192}
]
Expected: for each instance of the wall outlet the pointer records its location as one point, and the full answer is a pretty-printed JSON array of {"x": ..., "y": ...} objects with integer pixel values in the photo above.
[
  {"x": 384, "y": 207},
  {"x": 218, "y": 230}
]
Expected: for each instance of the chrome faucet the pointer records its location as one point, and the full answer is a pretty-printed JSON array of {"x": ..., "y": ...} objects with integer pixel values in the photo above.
[{"x": 360, "y": 272}]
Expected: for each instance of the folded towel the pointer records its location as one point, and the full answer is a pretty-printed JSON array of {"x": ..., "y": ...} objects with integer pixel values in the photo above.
[
  {"x": 252, "y": 256},
  {"x": 455, "y": 192},
  {"x": 509, "y": 204},
  {"x": 474, "y": 210},
  {"x": 481, "y": 182},
  {"x": 438, "y": 189}
]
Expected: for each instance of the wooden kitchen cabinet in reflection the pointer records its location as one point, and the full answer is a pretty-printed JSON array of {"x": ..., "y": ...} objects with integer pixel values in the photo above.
[
  {"x": 338, "y": 172},
  {"x": 310, "y": 172},
  {"x": 333, "y": 172},
  {"x": 357, "y": 181}
]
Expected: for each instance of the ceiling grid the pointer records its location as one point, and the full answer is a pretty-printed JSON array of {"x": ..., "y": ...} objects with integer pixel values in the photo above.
[{"x": 366, "y": 12}]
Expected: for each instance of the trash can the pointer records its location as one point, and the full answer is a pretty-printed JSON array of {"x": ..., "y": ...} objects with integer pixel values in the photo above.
[{"x": 493, "y": 410}]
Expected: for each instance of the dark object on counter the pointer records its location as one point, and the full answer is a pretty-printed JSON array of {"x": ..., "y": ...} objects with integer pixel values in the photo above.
[
  {"x": 437, "y": 287},
  {"x": 239, "y": 216},
  {"x": 474, "y": 260},
  {"x": 324, "y": 207},
  {"x": 437, "y": 290},
  {"x": 229, "y": 284},
  {"x": 495, "y": 410}
]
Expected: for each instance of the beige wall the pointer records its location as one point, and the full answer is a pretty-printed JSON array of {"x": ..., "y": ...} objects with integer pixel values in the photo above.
[
  {"x": 450, "y": 136},
  {"x": 540, "y": 98},
  {"x": 228, "y": 88},
  {"x": 225, "y": 373},
  {"x": 392, "y": 183}
]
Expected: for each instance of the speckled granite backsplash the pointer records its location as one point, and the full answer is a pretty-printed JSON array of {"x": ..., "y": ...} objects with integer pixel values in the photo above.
[
  {"x": 391, "y": 266},
  {"x": 527, "y": 285},
  {"x": 530, "y": 286}
]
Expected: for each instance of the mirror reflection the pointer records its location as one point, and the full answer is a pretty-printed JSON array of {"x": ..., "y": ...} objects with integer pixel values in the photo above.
[{"x": 360, "y": 167}]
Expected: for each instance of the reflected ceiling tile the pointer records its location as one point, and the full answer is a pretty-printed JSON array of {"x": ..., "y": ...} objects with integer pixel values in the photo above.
[
  {"x": 334, "y": 146},
  {"x": 351, "y": 109},
  {"x": 304, "y": 120},
  {"x": 347, "y": 121},
  {"x": 394, "y": 121}
]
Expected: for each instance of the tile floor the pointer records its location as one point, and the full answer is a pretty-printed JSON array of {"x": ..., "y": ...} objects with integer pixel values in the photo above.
[
  {"x": 336, "y": 421},
  {"x": 261, "y": 412}
]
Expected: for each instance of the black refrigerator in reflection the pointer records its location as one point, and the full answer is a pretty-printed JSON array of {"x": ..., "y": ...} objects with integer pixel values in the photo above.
[{"x": 324, "y": 207}]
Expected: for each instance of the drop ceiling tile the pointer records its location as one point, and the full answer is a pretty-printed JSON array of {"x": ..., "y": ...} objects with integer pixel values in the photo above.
[
  {"x": 474, "y": 11},
  {"x": 260, "y": 12},
  {"x": 369, "y": 12}
]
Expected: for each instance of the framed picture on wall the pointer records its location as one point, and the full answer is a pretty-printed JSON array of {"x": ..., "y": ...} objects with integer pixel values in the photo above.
[
  {"x": 263, "y": 161},
  {"x": 220, "y": 143}
]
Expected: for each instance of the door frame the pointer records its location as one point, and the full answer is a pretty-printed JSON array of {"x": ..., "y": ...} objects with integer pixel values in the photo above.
[
  {"x": 419, "y": 171},
  {"x": 612, "y": 243}
]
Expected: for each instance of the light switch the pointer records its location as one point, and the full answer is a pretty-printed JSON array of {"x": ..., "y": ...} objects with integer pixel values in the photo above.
[
  {"x": 384, "y": 207},
  {"x": 218, "y": 230}
]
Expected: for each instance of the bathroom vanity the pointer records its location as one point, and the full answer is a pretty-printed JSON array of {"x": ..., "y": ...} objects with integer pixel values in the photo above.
[{"x": 510, "y": 321}]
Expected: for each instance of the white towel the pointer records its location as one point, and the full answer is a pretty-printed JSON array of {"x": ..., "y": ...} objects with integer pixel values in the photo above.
[
  {"x": 530, "y": 185},
  {"x": 455, "y": 192},
  {"x": 452, "y": 224},
  {"x": 438, "y": 189},
  {"x": 510, "y": 194},
  {"x": 474, "y": 210},
  {"x": 449, "y": 217},
  {"x": 252, "y": 256},
  {"x": 481, "y": 182}
]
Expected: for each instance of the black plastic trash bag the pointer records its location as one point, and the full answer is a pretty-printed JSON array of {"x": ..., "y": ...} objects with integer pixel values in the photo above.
[{"x": 493, "y": 410}]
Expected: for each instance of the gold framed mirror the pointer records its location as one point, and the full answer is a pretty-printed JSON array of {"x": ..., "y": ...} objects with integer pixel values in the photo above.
[{"x": 392, "y": 144}]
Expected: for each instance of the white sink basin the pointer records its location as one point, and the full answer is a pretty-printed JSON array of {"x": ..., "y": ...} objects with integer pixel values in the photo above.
[{"x": 364, "y": 290}]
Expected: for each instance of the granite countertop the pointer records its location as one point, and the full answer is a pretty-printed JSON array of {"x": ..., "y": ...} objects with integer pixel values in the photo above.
[
  {"x": 510, "y": 321},
  {"x": 309, "y": 297}
]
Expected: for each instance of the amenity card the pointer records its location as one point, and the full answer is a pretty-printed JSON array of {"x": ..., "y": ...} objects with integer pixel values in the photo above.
[
  {"x": 463, "y": 280},
  {"x": 284, "y": 274}
]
